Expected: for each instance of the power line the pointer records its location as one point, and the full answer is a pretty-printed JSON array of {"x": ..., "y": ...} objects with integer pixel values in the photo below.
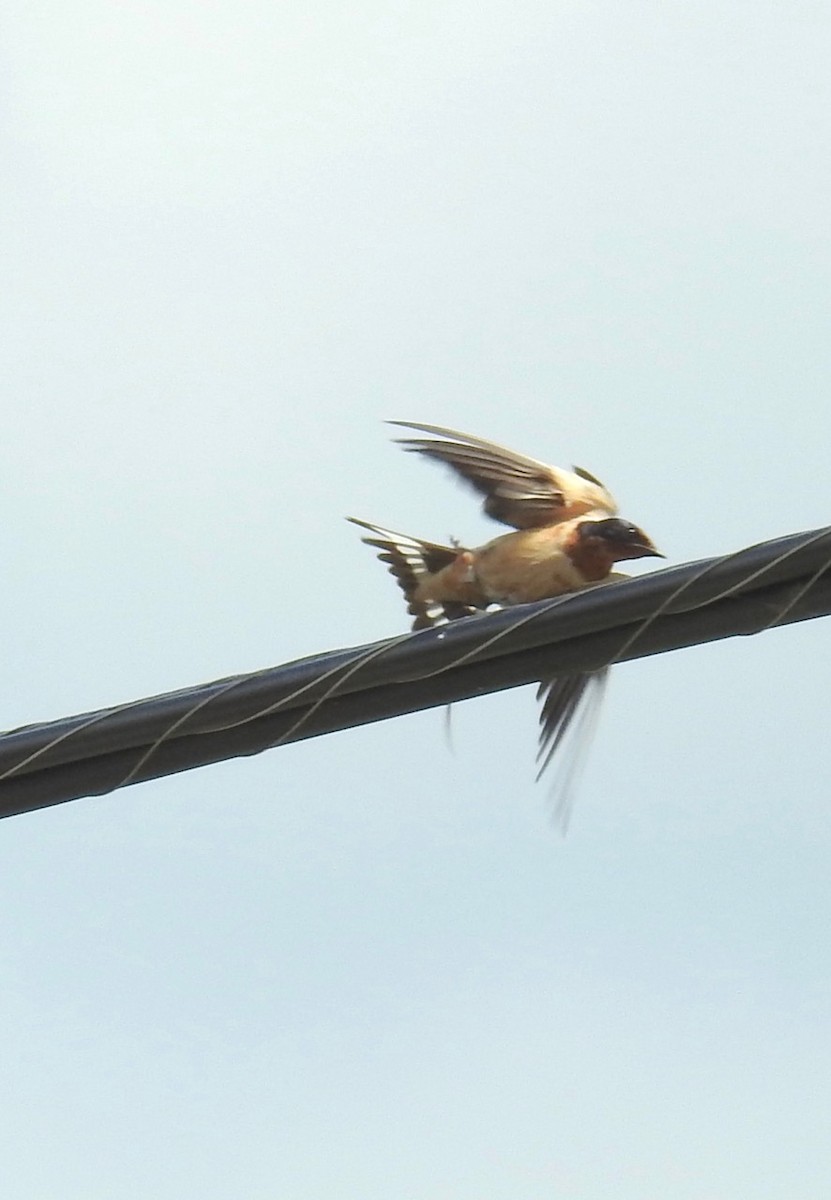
[{"x": 777, "y": 582}]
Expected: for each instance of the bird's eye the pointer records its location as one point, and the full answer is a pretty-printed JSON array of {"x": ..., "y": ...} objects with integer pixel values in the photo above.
[
  {"x": 616, "y": 530},
  {"x": 612, "y": 530}
]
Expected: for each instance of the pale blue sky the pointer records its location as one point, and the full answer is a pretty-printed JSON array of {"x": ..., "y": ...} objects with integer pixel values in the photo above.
[{"x": 237, "y": 237}]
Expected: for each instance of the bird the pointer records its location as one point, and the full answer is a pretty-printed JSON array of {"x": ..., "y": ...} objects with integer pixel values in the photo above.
[
  {"x": 444, "y": 583},
  {"x": 567, "y": 536}
]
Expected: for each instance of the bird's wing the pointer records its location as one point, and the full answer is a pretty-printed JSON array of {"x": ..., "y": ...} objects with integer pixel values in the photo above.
[
  {"x": 570, "y": 710},
  {"x": 518, "y": 491}
]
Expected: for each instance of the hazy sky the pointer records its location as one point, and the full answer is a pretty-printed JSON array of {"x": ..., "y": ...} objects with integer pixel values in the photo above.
[{"x": 237, "y": 237}]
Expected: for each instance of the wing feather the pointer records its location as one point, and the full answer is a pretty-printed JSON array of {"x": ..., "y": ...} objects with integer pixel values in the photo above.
[
  {"x": 568, "y": 718},
  {"x": 518, "y": 490}
]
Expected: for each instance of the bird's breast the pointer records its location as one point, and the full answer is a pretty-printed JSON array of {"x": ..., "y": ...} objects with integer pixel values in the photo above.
[{"x": 533, "y": 564}]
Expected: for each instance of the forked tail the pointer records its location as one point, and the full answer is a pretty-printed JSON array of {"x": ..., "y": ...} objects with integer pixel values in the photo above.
[{"x": 411, "y": 562}]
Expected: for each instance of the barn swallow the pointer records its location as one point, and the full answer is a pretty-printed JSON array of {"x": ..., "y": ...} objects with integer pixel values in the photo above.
[
  {"x": 567, "y": 537},
  {"x": 448, "y": 582}
]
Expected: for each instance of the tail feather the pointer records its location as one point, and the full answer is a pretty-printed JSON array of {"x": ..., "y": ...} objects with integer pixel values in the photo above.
[{"x": 410, "y": 561}]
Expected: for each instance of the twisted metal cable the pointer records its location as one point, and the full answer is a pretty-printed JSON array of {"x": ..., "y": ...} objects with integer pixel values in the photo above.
[{"x": 777, "y": 582}]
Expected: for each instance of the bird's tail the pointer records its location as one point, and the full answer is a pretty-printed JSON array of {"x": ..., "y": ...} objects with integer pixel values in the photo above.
[{"x": 411, "y": 562}]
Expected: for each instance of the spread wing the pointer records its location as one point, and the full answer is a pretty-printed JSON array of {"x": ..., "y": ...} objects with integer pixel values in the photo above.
[
  {"x": 518, "y": 491},
  {"x": 568, "y": 717}
]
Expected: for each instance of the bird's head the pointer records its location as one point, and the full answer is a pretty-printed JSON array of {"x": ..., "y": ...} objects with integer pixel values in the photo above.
[{"x": 619, "y": 539}]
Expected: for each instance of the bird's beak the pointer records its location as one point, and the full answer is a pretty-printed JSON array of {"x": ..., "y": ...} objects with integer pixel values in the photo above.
[{"x": 645, "y": 549}]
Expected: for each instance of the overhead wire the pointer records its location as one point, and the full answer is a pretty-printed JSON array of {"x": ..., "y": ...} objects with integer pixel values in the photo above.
[{"x": 775, "y": 582}]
